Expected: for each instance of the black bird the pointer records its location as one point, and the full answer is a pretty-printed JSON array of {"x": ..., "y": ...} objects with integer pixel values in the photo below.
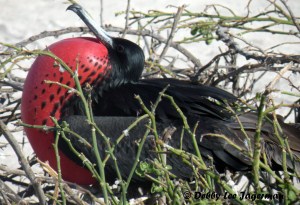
[{"x": 114, "y": 108}]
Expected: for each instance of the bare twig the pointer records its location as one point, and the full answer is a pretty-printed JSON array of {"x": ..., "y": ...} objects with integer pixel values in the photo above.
[
  {"x": 278, "y": 76},
  {"x": 161, "y": 39},
  {"x": 11, "y": 194},
  {"x": 14, "y": 85},
  {"x": 203, "y": 68},
  {"x": 291, "y": 15},
  {"x": 266, "y": 59},
  {"x": 24, "y": 163},
  {"x": 101, "y": 13},
  {"x": 144, "y": 32},
  {"x": 171, "y": 36},
  {"x": 235, "y": 72},
  {"x": 126, "y": 19}
]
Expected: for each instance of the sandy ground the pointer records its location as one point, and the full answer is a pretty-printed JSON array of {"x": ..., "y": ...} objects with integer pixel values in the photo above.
[{"x": 20, "y": 19}]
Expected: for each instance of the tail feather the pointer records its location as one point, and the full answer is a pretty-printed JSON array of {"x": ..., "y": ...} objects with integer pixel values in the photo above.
[{"x": 271, "y": 143}]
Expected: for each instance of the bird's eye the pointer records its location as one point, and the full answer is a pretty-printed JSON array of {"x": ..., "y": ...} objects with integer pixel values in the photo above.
[{"x": 120, "y": 48}]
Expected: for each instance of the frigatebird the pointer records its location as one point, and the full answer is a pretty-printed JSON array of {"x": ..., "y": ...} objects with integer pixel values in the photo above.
[{"x": 113, "y": 68}]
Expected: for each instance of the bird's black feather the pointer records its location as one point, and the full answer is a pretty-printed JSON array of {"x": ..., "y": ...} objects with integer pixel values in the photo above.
[{"x": 116, "y": 107}]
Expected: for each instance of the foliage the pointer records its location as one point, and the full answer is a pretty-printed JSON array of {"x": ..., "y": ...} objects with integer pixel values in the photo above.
[{"x": 168, "y": 57}]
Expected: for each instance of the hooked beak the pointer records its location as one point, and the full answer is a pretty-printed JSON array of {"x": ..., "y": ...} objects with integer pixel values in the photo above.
[{"x": 99, "y": 32}]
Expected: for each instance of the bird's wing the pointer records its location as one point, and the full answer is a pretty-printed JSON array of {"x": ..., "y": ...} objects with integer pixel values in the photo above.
[
  {"x": 193, "y": 100},
  {"x": 126, "y": 149},
  {"x": 272, "y": 145},
  {"x": 205, "y": 105}
]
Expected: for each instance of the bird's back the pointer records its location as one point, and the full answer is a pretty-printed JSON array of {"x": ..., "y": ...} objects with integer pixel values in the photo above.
[{"x": 218, "y": 131}]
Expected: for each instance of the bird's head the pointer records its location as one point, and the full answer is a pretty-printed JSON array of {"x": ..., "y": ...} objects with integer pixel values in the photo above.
[{"x": 127, "y": 58}]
